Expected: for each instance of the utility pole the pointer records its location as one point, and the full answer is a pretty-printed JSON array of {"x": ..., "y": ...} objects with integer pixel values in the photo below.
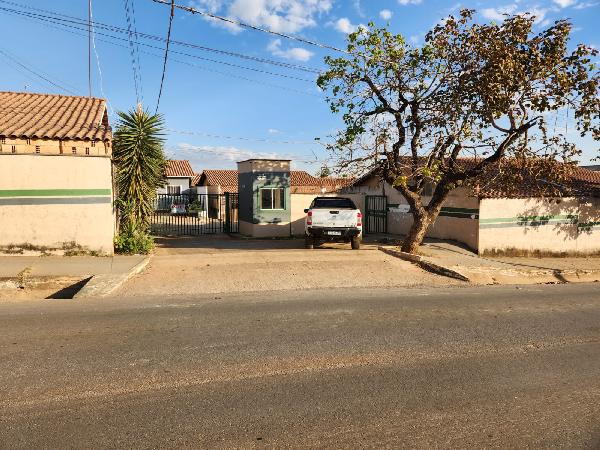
[{"x": 90, "y": 46}]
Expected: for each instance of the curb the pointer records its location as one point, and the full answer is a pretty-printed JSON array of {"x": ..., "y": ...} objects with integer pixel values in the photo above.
[
  {"x": 425, "y": 264},
  {"x": 102, "y": 285}
]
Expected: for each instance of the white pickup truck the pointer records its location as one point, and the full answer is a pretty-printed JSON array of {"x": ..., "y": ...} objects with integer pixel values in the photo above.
[{"x": 333, "y": 219}]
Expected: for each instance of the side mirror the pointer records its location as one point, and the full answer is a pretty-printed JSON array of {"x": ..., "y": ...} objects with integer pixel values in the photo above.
[{"x": 305, "y": 211}]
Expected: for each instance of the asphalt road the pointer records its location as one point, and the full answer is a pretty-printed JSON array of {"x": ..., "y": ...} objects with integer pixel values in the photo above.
[{"x": 452, "y": 367}]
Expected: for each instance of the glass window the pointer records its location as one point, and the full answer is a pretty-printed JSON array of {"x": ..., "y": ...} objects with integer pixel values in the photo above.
[
  {"x": 173, "y": 190},
  {"x": 272, "y": 198},
  {"x": 333, "y": 202}
]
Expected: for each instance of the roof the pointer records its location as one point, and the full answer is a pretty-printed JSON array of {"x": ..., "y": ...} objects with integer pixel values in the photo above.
[
  {"x": 496, "y": 182},
  {"x": 51, "y": 116},
  {"x": 301, "y": 181},
  {"x": 195, "y": 179},
  {"x": 179, "y": 168}
]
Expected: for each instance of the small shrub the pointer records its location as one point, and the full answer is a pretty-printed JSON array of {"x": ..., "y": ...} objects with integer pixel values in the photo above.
[{"x": 133, "y": 239}]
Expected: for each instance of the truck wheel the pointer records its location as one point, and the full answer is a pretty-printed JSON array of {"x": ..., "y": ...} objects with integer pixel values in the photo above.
[
  {"x": 355, "y": 242},
  {"x": 309, "y": 242}
]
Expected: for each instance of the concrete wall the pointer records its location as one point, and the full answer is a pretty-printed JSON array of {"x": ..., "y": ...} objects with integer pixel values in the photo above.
[
  {"x": 47, "y": 201},
  {"x": 458, "y": 219},
  {"x": 54, "y": 147},
  {"x": 568, "y": 225}
]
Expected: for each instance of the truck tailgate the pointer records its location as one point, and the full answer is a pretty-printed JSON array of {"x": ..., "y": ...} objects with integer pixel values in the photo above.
[{"x": 333, "y": 218}]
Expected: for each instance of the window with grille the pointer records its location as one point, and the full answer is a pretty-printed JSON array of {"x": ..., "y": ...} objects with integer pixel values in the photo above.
[
  {"x": 87, "y": 150},
  {"x": 173, "y": 190},
  {"x": 2, "y": 140},
  {"x": 37, "y": 149},
  {"x": 272, "y": 198},
  {"x": 93, "y": 143},
  {"x": 74, "y": 150},
  {"x": 28, "y": 141},
  {"x": 14, "y": 149}
]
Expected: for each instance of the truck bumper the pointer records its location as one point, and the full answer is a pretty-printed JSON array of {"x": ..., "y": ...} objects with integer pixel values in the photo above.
[{"x": 332, "y": 234}]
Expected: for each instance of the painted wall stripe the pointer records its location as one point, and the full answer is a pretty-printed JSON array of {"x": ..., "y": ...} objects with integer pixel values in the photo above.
[
  {"x": 523, "y": 219},
  {"x": 525, "y": 224},
  {"x": 54, "y": 201},
  {"x": 52, "y": 192}
]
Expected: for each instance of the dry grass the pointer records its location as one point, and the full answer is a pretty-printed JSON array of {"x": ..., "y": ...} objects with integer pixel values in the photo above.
[{"x": 523, "y": 253}]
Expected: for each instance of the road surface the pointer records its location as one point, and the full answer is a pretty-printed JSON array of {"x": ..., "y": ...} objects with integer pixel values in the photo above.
[{"x": 451, "y": 367}]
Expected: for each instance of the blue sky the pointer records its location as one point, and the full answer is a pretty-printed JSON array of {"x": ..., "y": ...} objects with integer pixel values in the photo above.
[{"x": 223, "y": 108}]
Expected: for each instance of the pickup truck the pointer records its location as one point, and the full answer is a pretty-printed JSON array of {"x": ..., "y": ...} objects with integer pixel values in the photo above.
[{"x": 333, "y": 219}]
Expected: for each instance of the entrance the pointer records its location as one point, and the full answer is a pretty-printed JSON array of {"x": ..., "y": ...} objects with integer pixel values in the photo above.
[
  {"x": 195, "y": 214},
  {"x": 375, "y": 214}
]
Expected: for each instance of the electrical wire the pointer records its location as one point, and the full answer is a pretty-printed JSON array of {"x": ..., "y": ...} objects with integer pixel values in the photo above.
[
  {"x": 15, "y": 60},
  {"x": 79, "y": 27},
  {"x": 238, "y": 138},
  {"x": 252, "y": 27},
  {"x": 134, "y": 67},
  {"x": 99, "y": 67},
  {"x": 162, "y": 79},
  {"x": 78, "y": 21}
]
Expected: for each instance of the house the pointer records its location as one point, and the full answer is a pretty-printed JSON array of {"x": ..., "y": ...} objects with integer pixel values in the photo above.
[
  {"x": 56, "y": 186},
  {"x": 179, "y": 175},
  {"x": 491, "y": 218}
]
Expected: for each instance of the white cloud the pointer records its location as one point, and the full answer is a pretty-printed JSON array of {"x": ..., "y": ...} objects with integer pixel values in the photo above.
[
  {"x": 222, "y": 157},
  {"x": 499, "y": 12},
  {"x": 584, "y": 5},
  {"x": 283, "y": 16},
  {"x": 273, "y": 131},
  {"x": 344, "y": 25},
  {"x": 385, "y": 14},
  {"x": 565, "y": 3},
  {"x": 410, "y": 2},
  {"x": 295, "y": 53}
]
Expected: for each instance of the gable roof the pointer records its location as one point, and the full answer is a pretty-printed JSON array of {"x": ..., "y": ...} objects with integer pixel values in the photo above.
[
  {"x": 580, "y": 182},
  {"x": 301, "y": 182},
  {"x": 179, "y": 168},
  {"x": 51, "y": 116}
]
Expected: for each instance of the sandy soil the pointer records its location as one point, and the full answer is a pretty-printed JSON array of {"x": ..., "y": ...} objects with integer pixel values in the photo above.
[
  {"x": 15, "y": 289},
  {"x": 220, "y": 267}
]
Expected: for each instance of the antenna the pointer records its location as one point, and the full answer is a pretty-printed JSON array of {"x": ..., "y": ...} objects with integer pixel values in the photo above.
[{"x": 90, "y": 46}]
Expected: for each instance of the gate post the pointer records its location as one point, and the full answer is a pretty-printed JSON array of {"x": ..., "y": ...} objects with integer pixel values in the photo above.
[{"x": 227, "y": 213}]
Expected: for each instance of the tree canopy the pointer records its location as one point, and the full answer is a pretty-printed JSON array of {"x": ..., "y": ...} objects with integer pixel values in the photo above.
[{"x": 484, "y": 91}]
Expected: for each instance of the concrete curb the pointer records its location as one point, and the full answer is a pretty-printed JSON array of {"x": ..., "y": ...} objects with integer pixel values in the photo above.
[
  {"x": 425, "y": 264},
  {"x": 102, "y": 285}
]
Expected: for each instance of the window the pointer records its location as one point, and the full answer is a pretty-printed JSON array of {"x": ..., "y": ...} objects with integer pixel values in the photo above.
[
  {"x": 14, "y": 149},
  {"x": 61, "y": 150},
  {"x": 37, "y": 149},
  {"x": 332, "y": 203},
  {"x": 174, "y": 190},
  {"x": 3, "y": 140},
  {"x": 74, "y": 150},
  {"x": 93, "y": 143},
  {"x": 272, "y": 198},
  {"x": 87, "y": 150}
]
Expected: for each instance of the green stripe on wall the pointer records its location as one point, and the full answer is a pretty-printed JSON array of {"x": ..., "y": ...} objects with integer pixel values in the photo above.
[
  {"x": 13, "y": 201},
  {"x": 52, "y": 192},
  {"x": 529, "y": 219}
]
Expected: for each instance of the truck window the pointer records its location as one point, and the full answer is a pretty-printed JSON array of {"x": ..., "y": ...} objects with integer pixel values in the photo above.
[{"x": 333, "y": 203}]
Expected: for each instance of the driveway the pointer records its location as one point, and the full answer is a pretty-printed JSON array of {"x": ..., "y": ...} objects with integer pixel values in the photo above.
[{"x": 221, "y": 265}]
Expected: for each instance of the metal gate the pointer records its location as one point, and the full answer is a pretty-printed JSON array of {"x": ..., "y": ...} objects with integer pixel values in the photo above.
[
  {"x": 375, "y": 214},
  {"x": 195, "y": 214}
]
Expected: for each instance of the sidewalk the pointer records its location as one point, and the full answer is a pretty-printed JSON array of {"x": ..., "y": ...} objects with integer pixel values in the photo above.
[
  {"x": 511, "y": 270},
  {"x": 63, "y": 266}
]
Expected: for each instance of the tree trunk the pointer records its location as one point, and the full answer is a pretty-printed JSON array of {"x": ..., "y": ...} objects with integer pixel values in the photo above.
[{"x": 417, "y": 233}]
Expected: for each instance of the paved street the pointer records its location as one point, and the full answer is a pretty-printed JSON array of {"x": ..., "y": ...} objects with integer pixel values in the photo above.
[{"x": 446, "y": 367}]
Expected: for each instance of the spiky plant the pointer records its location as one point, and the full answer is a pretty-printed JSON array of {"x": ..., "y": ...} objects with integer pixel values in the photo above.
[{"x": 140, "y": 163}]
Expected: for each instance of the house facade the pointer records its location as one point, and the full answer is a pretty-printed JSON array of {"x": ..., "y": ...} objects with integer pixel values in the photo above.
[
  {"x": 179, "y": 175},
  {"x": 490, "y": 219},
  {"x": 56, "y": 185}
]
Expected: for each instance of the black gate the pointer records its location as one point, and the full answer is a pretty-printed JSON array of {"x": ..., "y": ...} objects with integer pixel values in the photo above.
[
  {"x": 375, "y": 214},
  {"x": 195, "y": 214}
]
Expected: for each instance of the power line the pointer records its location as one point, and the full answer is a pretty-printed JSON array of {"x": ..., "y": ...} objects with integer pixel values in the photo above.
[
  {"x": 134, "y": 67},
  {"x": 113, "y": 28},
  {"x": 99, "y": 67},
  {"x": 37, "y": 74},
  {"x": 90, "y": 46},
  {"x": 77, "y": 26},
  {"x": 162, "y": 79},
  {"x": 252, "y": 27},
  {"x": 65, "y": 28},
  {"x": 238, "y": 138}
]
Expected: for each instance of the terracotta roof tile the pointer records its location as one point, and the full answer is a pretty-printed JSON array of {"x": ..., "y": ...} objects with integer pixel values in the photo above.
[
  {"x": 51, "y": 116},
  {"x": 177, "y": 168},
  {"x": 195, "y": 179}
]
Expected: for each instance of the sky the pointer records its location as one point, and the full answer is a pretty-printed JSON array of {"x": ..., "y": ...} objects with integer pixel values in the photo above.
[{"x": 229, "y": 93}]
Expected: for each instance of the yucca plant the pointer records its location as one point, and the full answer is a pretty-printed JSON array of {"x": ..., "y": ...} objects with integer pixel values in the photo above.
[{"x": 140, "y": 163}]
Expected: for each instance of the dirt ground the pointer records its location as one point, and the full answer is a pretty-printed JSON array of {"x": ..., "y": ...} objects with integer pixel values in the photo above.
[
  {"x": 16, "y": 289},
  {"x": 222, "y": 265}
]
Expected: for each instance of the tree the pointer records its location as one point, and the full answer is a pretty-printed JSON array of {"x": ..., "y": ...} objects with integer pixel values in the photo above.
[
  {"x": 140, "y": 164},
  {"x": 489, "y": 92}
]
